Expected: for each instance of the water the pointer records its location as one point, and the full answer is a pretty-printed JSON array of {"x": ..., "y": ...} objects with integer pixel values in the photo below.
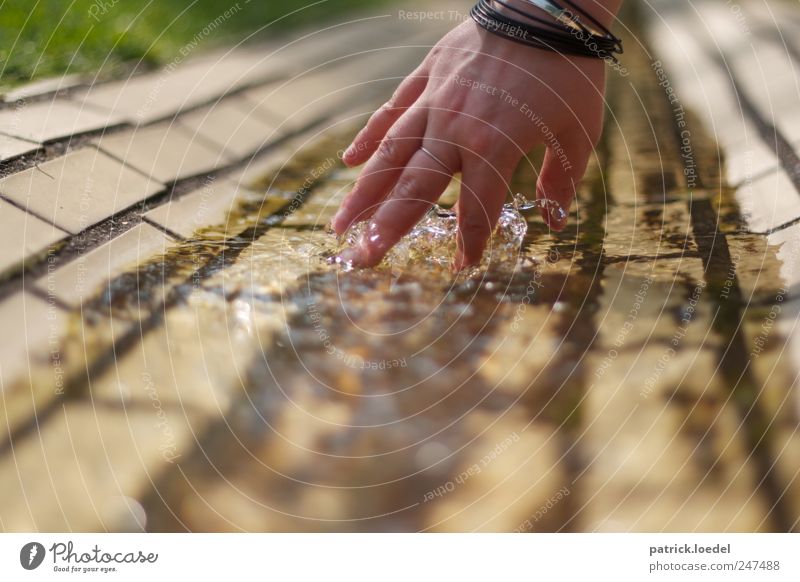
[{"x": 432, "y": 243}]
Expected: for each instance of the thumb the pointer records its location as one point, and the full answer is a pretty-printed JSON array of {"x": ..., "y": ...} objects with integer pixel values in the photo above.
[{"x": 562, "y": 169}]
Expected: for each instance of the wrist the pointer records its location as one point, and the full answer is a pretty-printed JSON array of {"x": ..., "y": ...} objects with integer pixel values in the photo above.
[
  {"x": 563, "y": 27},
  {"x": 604, "y": 11}
]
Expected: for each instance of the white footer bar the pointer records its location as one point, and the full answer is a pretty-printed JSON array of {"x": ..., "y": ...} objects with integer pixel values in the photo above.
[{"x": 400, "y": 557}]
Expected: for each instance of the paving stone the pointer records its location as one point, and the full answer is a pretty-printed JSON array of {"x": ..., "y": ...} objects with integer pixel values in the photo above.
[
  {"x": 23, "y": 236},
  {"x": 11, "y": 147},
  {"x": 640, "y": 311},
  {"x": 373, "y": 29},
  {"x": 763, "y": 67},
  {"x": 788, "y": 242},
  {"x": 748, "y": 161},
  {"x": 78, "y": 190},
  {"x": 274, "y": 262},
  {"x": 177, "y": 364},
  {"x": 665, "y": 450},
  {"x": 323, "y": 205},
  {"x": 43, "y": 87},
  {"x": 769, "y": 201},
  {"x": 774, "y": 356},
  {"x": 86, "y": 466},
  {"x": 259, "y": 170},
  {"x": 229, "y": 124},
  {"x": 641, "y": 181},
  {"x": 48, "y": 121},
  {"x": 649, "y": 230},
  {"x": 81, "y": 279},
  {"x": 701, "y": 84},
  {"x": 767, "y": 75},
  {"x": 509, "y": 488},
  {"x": 786, "y": 452},
  {"x": 760, "y": 270},
  {"x": 308, "y": 98},
  {"x": 165, "y": 151},
  {"x": 214, "y": 205},
  {"x": 178, "y": 86},
  {"x": 518, "y": 355},
  {"x": 32, "y": 367},
  {"x": 788, "y": 124}
]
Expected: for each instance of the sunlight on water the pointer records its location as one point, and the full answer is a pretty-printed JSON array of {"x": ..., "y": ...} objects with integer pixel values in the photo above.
[{"x": 431, "y": 244}]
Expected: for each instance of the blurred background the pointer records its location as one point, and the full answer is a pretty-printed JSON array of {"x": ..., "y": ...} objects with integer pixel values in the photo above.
[{"x": 47, "y": 38}]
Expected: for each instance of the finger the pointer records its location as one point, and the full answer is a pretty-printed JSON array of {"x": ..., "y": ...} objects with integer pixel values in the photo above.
[
  {"x": 419, "y": 186},
  {"x": 383, "y": 170},
  {"x": 369, "y": 138},
  {"x": 562, "y": 170},
  {"x": 483, "y": 191}
]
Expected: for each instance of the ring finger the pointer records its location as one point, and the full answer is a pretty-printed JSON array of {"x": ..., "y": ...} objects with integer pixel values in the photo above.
[{"x": 421, "y": 183}]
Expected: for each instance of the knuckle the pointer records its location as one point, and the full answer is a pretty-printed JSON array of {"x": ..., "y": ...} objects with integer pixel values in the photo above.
[
  {"x": 379, "y": 114},
  {"x": 434, "y": 54},
  {"x": 482, "y": 144},
  {"x": 406, "y": 189},
  {"x": 388, "y": 151},
  {"x": 388, "y": 107},
  {"x": 450, "y": 113}
]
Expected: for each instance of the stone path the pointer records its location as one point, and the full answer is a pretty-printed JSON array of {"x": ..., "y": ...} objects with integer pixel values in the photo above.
[{"x": 180, "y": 355}]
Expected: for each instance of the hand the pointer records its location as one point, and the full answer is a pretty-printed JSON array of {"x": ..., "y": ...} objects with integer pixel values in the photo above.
[{"x": 478, "y": 103}]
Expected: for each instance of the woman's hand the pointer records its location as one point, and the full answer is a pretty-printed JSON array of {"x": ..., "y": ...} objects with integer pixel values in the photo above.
[{"x": 477, "y": 104}]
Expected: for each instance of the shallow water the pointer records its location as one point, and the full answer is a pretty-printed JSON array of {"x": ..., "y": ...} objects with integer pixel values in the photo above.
[{"x": 618, "y": 360}]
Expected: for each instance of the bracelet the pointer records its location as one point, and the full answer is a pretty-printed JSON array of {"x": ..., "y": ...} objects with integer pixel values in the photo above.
[{"x": 568, "y": 33}]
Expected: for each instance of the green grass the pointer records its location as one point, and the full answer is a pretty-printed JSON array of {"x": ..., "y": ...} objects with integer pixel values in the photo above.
[{"x": 46, "y": 38}]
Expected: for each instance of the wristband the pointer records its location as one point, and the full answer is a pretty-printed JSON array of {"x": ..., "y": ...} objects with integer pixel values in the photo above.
[{"x": 568, "y": 33}]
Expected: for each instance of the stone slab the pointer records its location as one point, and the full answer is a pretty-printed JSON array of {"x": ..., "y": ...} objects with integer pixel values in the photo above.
[
  {"x": 82, "y": 278},
  {"x": 325, "y": 91},
  {"x": 748, "y": 161},
  {"x": 788, "y": 241},
  {"x": 165, "y": 151},
  {"x": 179, "y": 86},
  {"x": 85, "y": 467},
  {"x": 31, "y": 372},
  {"x": 11, "y": 147},
  {"x": 43, "y": 87},
  {"x": 212, "y": 205},
  {"x": 230, "y": 124},
  {"x": 48, "y": 121},
  {"x": 769, "y": 201},
  {"x": 78, "y": 190},
  {"x": 22, "y": 236}
]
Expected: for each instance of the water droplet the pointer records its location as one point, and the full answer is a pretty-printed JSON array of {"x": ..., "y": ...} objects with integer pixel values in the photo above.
[
  {"x": 554, "y": 209},
  {"x": 431, "y": 244}
]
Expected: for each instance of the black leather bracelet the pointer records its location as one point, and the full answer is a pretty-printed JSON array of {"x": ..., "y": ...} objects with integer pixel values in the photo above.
[{"x": 572, "y": 37}]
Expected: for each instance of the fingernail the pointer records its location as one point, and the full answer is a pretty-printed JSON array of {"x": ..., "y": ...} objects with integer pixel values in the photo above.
[
  {"x": 335, "y": 220},
  {"x": 552, "y": 221},
  {"x": 371, "y": 245},
  {"x": 341, "y": 220}
]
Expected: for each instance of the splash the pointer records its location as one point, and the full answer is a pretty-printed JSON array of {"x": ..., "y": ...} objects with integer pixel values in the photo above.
[
  {"x": 431, "y": 244},
  {"x": 554, "y": 209}
]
